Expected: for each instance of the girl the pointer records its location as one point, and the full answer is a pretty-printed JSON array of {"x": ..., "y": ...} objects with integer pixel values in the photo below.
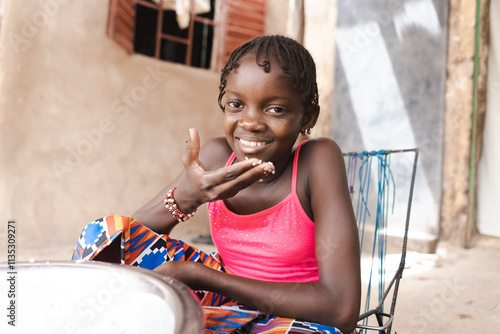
[{"x": 281, "y": 217}]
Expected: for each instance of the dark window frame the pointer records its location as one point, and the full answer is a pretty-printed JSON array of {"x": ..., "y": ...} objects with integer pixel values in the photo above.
[
  {"x": 189, "y": 41},
  {"x": 234, "y": 22}
]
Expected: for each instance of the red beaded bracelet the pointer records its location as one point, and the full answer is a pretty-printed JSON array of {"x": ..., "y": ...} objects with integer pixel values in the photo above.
[{"x": 174, "y": 210}]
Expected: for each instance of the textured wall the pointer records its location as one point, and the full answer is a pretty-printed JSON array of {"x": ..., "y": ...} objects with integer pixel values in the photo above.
[
  {"x": 319, "y": 39},
  {"x": 86, "y": 129},
  {"x": 458, "y": 205}
]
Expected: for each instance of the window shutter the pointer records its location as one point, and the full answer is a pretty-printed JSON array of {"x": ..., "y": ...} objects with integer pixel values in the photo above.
[
  {"x": 121, "y": 23},
  {"x": 242, "y": 21}
]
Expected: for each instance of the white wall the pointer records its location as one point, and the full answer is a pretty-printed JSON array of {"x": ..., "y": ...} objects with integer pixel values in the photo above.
[{"x": 488, "y": 221}]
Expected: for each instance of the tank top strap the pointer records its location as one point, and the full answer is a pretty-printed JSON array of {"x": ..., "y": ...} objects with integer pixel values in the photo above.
[
  {"x": 295, "y": 167},
  {"x": 230, "y": 160}
]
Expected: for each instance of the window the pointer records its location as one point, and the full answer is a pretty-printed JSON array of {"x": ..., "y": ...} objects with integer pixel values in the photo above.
[{"x": 202, "y": 35}]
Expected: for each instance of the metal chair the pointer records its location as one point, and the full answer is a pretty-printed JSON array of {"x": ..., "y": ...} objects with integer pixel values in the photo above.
[{"x": 381, "y": 185}]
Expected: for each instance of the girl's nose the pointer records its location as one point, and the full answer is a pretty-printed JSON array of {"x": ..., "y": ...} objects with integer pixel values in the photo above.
[{"x": 251, "y": 120}]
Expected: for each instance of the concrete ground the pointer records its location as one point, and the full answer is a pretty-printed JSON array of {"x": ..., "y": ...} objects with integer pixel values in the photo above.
[{"x": 455, "y": 290}]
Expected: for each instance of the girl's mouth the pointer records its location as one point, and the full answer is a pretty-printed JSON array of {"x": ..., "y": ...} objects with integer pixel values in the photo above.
[
  {"x": 252, "y": 147},
  {"x": 252, "y": 143}
]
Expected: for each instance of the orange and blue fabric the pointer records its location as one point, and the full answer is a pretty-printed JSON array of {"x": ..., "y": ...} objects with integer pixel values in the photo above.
[{"x": 146, "y": 249}]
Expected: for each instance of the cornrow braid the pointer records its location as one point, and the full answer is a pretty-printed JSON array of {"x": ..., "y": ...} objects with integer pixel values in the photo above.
[{"x": 292, "y": 57}]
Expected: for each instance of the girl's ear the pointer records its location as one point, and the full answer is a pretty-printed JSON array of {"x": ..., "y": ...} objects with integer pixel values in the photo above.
[{"x": 310, "y": 119}]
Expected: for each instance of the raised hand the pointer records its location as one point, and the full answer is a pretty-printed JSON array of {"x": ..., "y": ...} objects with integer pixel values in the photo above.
[{"x": 201, "y": 186}]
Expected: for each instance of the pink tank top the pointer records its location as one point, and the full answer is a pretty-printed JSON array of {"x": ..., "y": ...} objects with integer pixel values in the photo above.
[{"x": 276, "y": 244}]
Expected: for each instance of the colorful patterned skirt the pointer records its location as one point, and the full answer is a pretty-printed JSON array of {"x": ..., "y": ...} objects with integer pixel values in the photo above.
[{"x": 144, "y": 248}]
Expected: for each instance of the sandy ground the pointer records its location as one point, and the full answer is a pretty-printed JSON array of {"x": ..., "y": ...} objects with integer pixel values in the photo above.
[{"x": 455, "y": 290}]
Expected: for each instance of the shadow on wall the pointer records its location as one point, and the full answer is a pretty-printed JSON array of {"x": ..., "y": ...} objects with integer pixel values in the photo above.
[{"x": 389, "y": 89}]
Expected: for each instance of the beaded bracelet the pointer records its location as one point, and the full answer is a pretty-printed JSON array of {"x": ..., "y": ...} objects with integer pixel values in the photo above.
[{"x": 174, "y": 210}]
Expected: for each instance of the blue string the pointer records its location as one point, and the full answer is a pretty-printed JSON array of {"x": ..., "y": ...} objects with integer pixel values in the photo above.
[
  {"x": 364, "y": 183},
  {"x": 381, "y": 221},
  {"x": 385, "y": 178}
]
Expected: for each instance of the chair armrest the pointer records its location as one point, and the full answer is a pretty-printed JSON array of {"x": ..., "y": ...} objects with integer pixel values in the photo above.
[{"x": 382, "y": 326}]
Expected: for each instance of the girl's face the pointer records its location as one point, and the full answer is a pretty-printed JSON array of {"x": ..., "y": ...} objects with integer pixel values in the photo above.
[{"x": 264, "y": 114}]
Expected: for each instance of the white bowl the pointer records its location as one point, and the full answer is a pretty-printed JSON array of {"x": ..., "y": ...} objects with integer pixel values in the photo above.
[{"x": 92, "y": 297}]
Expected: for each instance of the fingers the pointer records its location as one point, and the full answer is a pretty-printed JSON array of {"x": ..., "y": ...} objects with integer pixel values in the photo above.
[
  {"x": 228, "y": 181},
  {"x": 190, "y": 157},
  {"x": 249, "y": 170}
]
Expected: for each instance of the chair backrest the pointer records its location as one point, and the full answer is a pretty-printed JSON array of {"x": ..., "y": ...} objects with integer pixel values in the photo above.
[{"x": 381, "y": 185}]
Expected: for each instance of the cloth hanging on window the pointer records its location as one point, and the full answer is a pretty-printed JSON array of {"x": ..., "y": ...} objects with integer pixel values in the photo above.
[{"x": 181, "y": 8}]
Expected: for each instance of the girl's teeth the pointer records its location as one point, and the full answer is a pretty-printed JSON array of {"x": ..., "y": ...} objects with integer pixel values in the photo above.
[{"x": 252, "y": 143}]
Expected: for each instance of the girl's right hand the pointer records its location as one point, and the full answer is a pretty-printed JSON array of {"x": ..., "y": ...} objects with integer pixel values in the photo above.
[{"x": 200, "y": 186}]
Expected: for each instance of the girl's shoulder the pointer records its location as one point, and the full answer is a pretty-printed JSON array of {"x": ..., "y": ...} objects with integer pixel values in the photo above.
[
  {"x": 320, "y": 155},
  {"x": 215, "y": 153},
  {"x": 317, "y": 147},
  {"x": 320, "y": 164}
]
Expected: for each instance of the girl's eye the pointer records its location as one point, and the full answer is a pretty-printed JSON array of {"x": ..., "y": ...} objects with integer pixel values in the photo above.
[
  {"x": 276, "y": 110},
  {"x": 234, "y": 104}
]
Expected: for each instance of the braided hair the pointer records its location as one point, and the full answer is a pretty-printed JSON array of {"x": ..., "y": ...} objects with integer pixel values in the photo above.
[{"x": 292, "y": 57}]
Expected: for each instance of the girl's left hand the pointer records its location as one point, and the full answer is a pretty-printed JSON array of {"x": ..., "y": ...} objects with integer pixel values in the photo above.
[
  {"x": 184, "y": 271},
  {"x": 174, "y": 269}
]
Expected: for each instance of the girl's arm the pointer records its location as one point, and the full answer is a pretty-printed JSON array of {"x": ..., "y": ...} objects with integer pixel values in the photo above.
[
  {"x": 198, "y": 184},
  {"x": 333, "y": 300}
]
